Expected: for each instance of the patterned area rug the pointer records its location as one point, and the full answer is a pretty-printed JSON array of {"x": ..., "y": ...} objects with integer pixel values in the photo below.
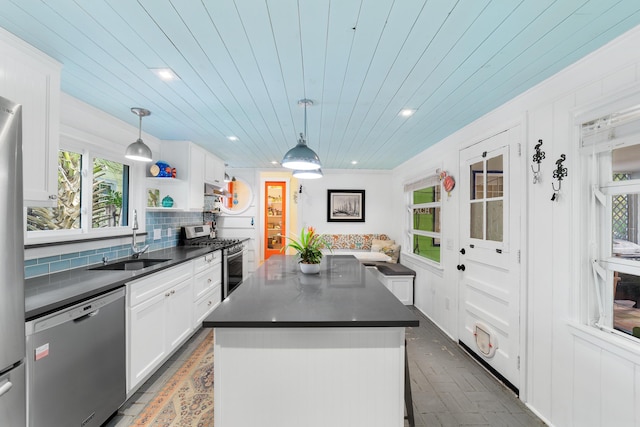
[{"x": 187, "y": 398}]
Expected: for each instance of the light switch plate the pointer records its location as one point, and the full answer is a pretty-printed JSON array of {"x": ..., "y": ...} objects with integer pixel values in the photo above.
[
  {"x": 157, "y": 233},
  {"x": 169, "y": 232}
]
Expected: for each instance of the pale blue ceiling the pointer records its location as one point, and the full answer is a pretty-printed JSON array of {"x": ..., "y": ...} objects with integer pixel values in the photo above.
[{"x": 244, "y": 65}]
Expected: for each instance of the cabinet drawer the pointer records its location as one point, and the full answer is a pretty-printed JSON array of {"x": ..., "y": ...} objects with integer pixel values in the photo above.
[
  {"x": 206, "y": 279},
  {"x": 207, "y": 261},
  {"x": 141, "y": 290},
  {"x": 206, "y": 304}
]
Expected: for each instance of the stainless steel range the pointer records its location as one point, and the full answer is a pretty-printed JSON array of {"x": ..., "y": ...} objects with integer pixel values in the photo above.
[{"x": 232, "y": 271}]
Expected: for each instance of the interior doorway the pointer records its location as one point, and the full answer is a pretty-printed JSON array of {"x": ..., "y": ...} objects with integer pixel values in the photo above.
[
  {"x": 275, "y": 225},
  {"x": 489, "y": 260}
]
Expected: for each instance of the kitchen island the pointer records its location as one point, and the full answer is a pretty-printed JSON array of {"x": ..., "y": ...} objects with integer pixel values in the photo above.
[{"x": 314, "y": 350}]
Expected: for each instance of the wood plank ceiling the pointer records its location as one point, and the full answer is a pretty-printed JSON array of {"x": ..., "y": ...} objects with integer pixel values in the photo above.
[{"x": 244, "y": 64}]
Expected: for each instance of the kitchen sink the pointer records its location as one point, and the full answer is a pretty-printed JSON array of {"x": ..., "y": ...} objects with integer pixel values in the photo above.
[{"x": 131, "y": 264}]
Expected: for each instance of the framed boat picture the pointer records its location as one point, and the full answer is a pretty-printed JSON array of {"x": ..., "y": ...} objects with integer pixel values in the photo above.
[{"x": 345, "y": 205}]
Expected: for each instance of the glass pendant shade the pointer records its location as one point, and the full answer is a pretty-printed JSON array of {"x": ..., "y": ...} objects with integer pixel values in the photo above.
[
  {"x": 308, "y": 174},
  {"x": 138, "y": 150},
  {"x": 301, "y": 157}
]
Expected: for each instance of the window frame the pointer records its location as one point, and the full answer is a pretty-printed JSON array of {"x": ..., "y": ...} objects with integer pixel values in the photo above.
[
  {"x": 423, "y": 182},
  {"x": 90, "y": 149},
  {"x": 597, "y": 307}
]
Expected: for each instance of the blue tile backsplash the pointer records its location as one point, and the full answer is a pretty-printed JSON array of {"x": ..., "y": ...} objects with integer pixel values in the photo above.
[{"x": 75, "y": 259}]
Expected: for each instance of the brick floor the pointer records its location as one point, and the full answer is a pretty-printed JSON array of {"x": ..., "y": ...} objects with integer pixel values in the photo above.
[{"x": 451, "y": 389}]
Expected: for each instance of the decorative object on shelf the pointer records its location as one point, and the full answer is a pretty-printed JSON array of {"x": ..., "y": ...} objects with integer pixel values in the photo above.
[
  {"x": 301, "y": 157},
  {"x": 153, "y": 197},
  {"x": 162, "y": 170},
  {"x": 167, "y": 202},
  {"x": 308, "y": 249},
  {"x": 559, "y": 173},
  {"x": 537, "y": 158},
  {"x": 138, "y": 150},
  {"x": 345, "y": 206},
  {"x": 448, "y": 183}
]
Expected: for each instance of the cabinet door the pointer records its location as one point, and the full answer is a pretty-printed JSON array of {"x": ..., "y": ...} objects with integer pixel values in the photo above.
[
  {"x": 146, "y": 339},
  {"x": 196, "y": 178},
  {"x": 214, "y": 172},
  {"x": 179, "y": 312},
  {"x": 34, "y": 82},
  {"x": 206, "y": 305}
]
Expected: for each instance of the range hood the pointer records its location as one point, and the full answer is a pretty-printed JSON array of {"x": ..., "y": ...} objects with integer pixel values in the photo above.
[{"x": 213, "y": 190}]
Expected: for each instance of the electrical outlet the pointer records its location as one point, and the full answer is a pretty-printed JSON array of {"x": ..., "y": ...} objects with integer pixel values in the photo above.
[
  {"x": 169, "y": 232},
  {"x": 157, "y": 233}
]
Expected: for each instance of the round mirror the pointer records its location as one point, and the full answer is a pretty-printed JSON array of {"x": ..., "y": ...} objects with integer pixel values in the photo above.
[{"x": 240, "y": 200}]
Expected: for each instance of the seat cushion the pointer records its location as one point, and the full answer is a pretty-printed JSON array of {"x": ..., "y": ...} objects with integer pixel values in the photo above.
[{"x": 395, "y": 270}]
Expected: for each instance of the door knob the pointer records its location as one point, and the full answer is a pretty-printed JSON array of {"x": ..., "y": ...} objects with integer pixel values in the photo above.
[
  {"x": 461, "y": 267},
  {"x": 462, "y": 251}
]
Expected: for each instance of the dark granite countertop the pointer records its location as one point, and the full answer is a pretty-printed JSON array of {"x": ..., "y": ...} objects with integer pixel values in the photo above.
[
  {"x": 343, "y": 294},
  {"x": 45, "y": 294}
]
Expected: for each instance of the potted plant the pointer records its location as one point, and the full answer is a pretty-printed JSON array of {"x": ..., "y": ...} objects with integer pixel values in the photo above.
[{"x": 308, "y": 250}]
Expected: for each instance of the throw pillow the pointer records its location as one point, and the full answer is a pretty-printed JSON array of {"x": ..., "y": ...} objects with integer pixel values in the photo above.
[
  {"x": 392, "y": 251},
  {"x": 377, "y": 244}
]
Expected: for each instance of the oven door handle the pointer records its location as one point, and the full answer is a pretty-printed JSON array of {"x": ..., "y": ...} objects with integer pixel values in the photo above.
[{"x": 234, "y": 255}]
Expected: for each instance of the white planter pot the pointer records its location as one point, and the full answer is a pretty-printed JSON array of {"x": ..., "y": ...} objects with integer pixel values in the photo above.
[{"x": 309, "y": 268}]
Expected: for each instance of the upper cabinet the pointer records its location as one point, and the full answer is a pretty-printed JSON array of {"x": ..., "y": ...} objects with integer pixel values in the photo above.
[
  {"x": 32, "y": 79},
  {"x": 214, "y": 170},
  {"x": 187, "y": 189}
]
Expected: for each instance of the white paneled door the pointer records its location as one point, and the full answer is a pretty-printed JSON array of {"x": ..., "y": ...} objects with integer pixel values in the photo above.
[{"x": 489, "y": 260}]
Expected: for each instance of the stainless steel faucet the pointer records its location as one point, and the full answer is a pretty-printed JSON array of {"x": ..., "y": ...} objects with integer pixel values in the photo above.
[{"x": 134, "y": 248}]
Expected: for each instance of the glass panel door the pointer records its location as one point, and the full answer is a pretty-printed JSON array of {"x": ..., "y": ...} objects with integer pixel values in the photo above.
[{"x": 275, "y": 218}]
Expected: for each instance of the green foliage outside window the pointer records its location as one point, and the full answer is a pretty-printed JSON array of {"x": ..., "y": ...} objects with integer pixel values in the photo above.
[
  {"x": 66, "y": 216},
  {"x": 426, "y": 218},
  {"x": 109, "y": 196}
]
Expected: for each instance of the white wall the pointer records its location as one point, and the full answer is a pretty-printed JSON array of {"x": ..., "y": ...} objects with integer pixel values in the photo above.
[
  {"x": 574, "y": 375},
  {"x": 312, "y": 208}
]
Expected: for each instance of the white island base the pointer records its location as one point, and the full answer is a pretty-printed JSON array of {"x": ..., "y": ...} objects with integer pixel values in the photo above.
[{"x": 312, "y": 377}]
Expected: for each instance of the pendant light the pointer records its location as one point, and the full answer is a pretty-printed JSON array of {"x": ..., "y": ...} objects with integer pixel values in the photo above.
[
  {"x": 302, "y": 157},
  {"x": 138, "y": 150}
]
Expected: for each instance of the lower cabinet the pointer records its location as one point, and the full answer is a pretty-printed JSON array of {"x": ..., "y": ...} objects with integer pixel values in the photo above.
[
  {"x": 400, "y": 286},
  {"x": 164, "y": 309},
  {"x": 207, "y": 289},
  {"x": 159, "y": 319}
]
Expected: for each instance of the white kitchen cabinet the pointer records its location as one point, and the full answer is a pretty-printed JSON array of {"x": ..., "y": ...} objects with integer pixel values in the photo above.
[
  {"x": 214, "y": 170},
  {"x": 187, "y": 190},
  {"x": 159, "y": 319},
  {"x": 207, "y": 283},
  {"x": 400, "y": 285},
  {"x": 32, "y": 79}
]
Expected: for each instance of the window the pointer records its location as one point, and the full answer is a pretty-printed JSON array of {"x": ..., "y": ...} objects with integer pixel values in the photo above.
[
  {"x": 110, "y": 193},
  {"x": 95, "y": 199},
  {"x": 424, "y": 204},
  {"x": 613, "y": 223}
]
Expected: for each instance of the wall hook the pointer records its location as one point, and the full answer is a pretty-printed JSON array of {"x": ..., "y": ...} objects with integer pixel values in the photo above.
[
  {"x": 537, "y": 158},
  {"x": 559, "y": 173}
]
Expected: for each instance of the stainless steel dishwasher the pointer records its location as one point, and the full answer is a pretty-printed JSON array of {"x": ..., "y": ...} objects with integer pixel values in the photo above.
[{"x": 76, "y": 370}]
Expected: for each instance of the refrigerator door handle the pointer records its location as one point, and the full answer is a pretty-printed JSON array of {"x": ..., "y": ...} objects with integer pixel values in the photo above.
[{"x": 4, "y": 388}]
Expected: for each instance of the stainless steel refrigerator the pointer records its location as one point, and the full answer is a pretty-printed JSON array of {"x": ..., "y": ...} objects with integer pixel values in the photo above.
[{"x": 12, "y": 332}]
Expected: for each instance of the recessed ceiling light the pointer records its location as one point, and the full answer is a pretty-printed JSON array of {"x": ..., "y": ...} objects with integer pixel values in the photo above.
[
  {"x": 406, "y": 112},
  {"x": 274, "y": 162},
  {"x": 354, "y": 162},
  {"x": 166, "y": 74},
  {"x": 232, "y": 138}
]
